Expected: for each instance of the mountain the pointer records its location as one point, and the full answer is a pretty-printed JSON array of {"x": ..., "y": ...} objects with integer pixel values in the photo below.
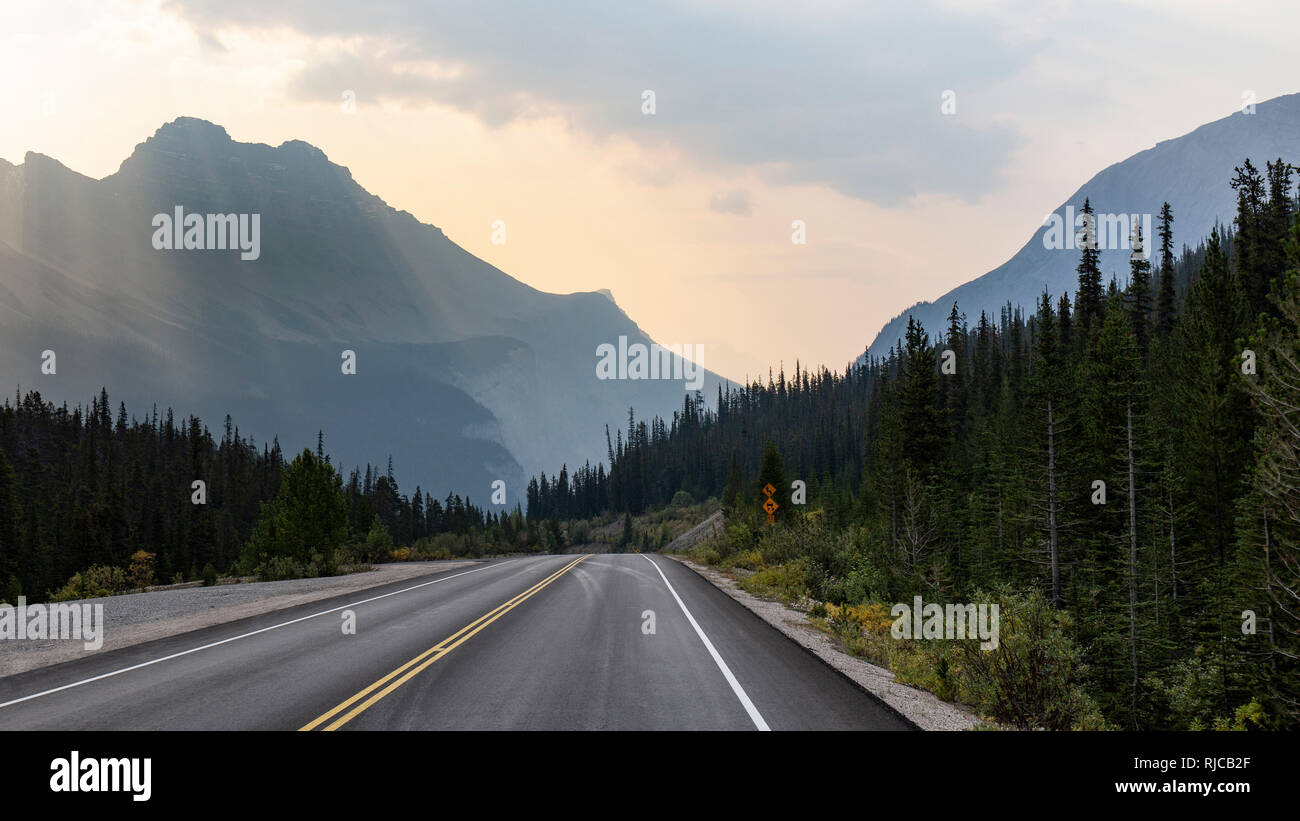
[
  {"x": 463, "y": 374},
  {"x": 1190, "y": 172}
]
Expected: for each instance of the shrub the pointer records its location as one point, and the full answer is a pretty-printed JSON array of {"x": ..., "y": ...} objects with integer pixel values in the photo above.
[
  {"x": 579, "y": 532},
  {"x": 737, "y": 538},
  {"x": 746, "y": 560},
  {"x": 91, "y": 583},
  {"x": 681, "y": 499},
  {"x": 140, "y": 572},
  {"x": 864, "y": 583},
  {"x": 209, "y": 575},
  {"x": 379, "y": 543},
  {"x": 278, "y": 568},
  {"x": 784, "y": 582},
  {"x": 707, "y": 555},
  {"x": 1250, "y": 713},
  {"x": 1034, "y": 677}
]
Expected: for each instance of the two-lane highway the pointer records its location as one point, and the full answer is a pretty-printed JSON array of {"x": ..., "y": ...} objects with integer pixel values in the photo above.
[{"x": 607, "y": 641}]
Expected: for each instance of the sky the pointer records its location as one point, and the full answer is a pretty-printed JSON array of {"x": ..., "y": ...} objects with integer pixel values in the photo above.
[{"x": 672, "y": 152}]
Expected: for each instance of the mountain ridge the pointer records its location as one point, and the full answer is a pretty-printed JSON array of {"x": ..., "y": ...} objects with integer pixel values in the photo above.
[
  {"x": 339, "y": 269},
  {"x": 1190, "y": 172}
]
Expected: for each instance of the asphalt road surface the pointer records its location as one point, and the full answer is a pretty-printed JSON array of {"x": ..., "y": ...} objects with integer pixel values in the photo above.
[{"x": 537, "y": 643}]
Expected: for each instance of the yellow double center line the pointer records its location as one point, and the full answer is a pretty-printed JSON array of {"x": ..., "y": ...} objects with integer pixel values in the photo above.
[{"x": 412, "y": 668}]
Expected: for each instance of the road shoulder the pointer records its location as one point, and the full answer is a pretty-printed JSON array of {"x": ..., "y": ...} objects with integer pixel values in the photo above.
[
  {"x": 136, "y": 618},
  {"x": 926, "y": 710}
]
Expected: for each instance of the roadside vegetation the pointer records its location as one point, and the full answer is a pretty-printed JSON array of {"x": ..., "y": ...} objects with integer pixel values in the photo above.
[{"x": 1035, "y": 679}]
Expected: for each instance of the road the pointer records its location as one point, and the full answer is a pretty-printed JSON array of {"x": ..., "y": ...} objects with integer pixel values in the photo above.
[{"x": 536, "y": 643}]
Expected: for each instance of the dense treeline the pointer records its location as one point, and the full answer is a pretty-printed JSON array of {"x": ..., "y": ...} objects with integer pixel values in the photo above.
[
  {"x": 83, "y": 487},
  {"x": 1129, "y": 451}
]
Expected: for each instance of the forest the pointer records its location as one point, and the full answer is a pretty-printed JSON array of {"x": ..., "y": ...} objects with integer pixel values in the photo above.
[{"x": 86, "y": 488}]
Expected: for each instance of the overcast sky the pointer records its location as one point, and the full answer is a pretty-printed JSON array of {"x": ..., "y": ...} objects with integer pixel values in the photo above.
[{"x": 764, "y": 113}]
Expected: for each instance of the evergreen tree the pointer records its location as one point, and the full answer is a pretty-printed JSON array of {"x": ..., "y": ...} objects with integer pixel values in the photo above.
[
  {"x": 1087, "y": 300},
  {"x": 1269, "y": 540},
  {"x": 918, "y": 395},
  {"x": 772, "y": 472},
  {"x": 734, "y": 483},
  {"x": 1166, "y": 298},
  {"x": 308, "y": 517},
  {"x": 1139, "y": 291}
]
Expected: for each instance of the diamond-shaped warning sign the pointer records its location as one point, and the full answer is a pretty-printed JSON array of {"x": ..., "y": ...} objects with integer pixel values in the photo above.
[
  {"x": 768, "y": 489},
  {"x": 770, "y": 506}
]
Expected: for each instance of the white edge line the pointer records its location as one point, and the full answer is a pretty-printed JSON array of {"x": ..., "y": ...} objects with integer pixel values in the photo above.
[
  {"x": 237, "y": 638},
  {"x": 722, "y": 665}
]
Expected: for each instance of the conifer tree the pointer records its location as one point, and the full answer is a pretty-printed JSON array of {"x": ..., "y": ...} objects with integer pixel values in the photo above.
[
  {"x": 1165, "y": 300},
  {"x": 1087, "y": 300}
]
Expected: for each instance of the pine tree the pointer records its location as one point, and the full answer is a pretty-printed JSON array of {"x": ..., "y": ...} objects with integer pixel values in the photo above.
[
  {"x": 1269, "y": 543},
  {"x": 734, "y": 483},
  {"x": 1139, "y": 291},
  {"x": 1213, "y": 413},
  {"x": 1087, "y": 301},
  {"x": 1165, "y": 302},
  {"x": 1249, "y": 254},
  {"x": 772, "y": 472},
  {"x": 918, "y": 395},
  {"x": 1047, "y": 454},
  {"x": 309, "y": 516}
]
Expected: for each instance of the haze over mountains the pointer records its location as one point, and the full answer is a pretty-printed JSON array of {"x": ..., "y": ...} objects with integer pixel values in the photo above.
[
  {"x": 1190, "y": 172},
  {"x": 464, "y": 374}
]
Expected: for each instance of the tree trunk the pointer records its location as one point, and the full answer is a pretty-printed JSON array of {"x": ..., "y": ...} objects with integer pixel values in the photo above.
[
  {"x": 1173, "y": 552},
  {"x": 1054, "y": 552},
  {"x": 1132, "y": 565}
]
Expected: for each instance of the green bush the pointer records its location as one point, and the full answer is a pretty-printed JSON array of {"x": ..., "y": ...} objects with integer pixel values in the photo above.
[
  {"x": 579, "y": 532},
  {"x": 1249, "y": 716},
  {"x": 379, "y": 543},
  {"x": 92, "y": 583},
  {"x": 737, "y": 538},
  {"x": 864, "y": 583},
  {"x": 1191, "y": 688},
  {"x": 707, "y": 555},
  {"x": 209, "y": 575},
  {"x": 784, "y": 582},
  {"x": 1034, "y": 678},
  {"x": 746, "y": 560},
  {"x": 278, "y": 568}
]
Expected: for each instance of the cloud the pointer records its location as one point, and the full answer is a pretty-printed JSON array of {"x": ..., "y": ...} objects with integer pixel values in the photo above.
[
  {"x": 848, "y": 99},
  {"x": 731, "y": 202}
]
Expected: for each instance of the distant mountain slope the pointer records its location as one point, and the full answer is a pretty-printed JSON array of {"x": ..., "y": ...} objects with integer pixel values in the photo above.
[
  {"x": 1190, "y": 172},
  {"x": 464, "y": 374}
]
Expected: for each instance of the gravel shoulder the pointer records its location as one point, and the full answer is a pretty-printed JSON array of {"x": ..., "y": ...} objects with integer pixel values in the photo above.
[
  {"x": 924, "y": 709},
  {"x": 135, "y": 618}
]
